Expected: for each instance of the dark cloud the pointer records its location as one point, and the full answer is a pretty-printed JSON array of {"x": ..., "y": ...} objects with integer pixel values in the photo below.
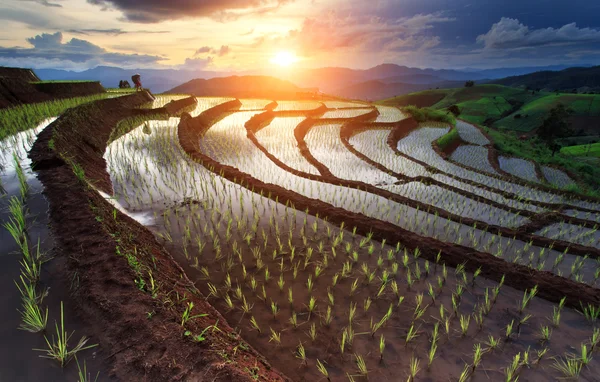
[
  {"x": 50, "y": 47},
  {"x": 153, "y": 11}
]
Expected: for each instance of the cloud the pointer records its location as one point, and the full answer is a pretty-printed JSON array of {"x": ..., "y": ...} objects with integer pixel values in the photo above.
[
  {"x": 222, "y": 51},
  {"x": 511, "y": 33},
  {"x": 196, "y": 63},
  {"x": 334, "y": 32},
  {"x": 113, "y": 31},
  {"x": 50, "y": 47},
  {"x": 45, "y": 3},
  {"x": 153, "y": 11}
]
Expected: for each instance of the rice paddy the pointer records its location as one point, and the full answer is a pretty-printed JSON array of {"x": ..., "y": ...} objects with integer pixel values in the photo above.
[{"x": 324, "y": 298}]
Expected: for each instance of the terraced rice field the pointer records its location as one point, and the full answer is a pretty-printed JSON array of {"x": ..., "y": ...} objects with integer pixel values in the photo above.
[
  {"x": 319, "y": 291},
  {"x": 349, "y": 249}
]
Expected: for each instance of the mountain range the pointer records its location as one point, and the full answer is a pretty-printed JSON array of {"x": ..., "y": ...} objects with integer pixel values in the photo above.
[{"x": 379, "y": 82}]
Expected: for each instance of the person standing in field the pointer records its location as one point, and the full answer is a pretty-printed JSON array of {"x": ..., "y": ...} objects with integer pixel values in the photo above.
[{"x": 137, "y": 81}]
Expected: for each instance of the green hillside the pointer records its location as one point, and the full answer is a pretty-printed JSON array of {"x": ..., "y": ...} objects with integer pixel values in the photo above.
[
  {"x": 589, "y": 150},
  {"x": 506, "y": 108}
]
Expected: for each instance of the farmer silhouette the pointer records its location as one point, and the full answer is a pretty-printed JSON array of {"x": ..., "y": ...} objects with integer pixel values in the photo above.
[{"x": 137, "y": 81}]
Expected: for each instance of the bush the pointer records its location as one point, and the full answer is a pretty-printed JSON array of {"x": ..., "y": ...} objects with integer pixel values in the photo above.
[
  {"x": 448, "y": 139},
  {"x": 426, "y": 114},
  {"x": 517, "y": 116}
]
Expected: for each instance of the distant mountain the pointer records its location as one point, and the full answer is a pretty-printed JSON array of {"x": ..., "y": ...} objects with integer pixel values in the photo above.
[
  {"x": 240, "y": 86},
  {"x": 584, "y": 79},
  {"x": 157, "y": 80}
]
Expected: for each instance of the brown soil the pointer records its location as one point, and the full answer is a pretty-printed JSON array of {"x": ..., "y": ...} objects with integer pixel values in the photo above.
[
  {"x": 140, "y": 329},
  {"x": 551, "y": 287}
]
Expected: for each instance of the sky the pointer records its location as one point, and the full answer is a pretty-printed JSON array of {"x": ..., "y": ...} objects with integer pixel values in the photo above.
[{"x": 246, "y": 35}]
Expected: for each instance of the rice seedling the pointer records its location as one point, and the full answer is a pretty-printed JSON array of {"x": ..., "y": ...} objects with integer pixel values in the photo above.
[
  {"x": 275, "y": 337},
  {"x": 477, "y": 354},
  {"x": 590, "y": 312},
  {"x": 33, "y": 317},
  {"x": 323, "y": 370},
  {"x": 58, "y": 347},
  {"x": 569, "y": 367},
  {"x": 361, "y": 364},
  {"x": 414, "y": 368},
  {"x": 328, "y": 317},
  {"x": 381, "y": 347},
  {"x": 431, "y": 354},
  {"x": 187, "y": 315},
  {"x": 411, "y": 334},
  {"x": 82, "y": 373},
  {"x": 545, "y": 333},
  {"x": 301, "y": 353},
  {"x": 312, "y": 304},
  {"x": 465, "y": 320},
  {"x": 312, "y": 332},
  {"x": 255, "y": 324}
]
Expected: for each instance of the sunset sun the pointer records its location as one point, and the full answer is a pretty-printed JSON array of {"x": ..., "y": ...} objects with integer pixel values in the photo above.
[{"x": 284, "y": 58}]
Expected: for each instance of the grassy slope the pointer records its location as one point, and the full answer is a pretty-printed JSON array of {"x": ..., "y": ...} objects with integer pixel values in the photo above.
[
  {"x": 481, "y": 102},
  {"x": 591, "y": 150}
]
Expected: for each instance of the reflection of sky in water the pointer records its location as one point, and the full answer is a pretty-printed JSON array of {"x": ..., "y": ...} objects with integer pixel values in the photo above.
[{"x": 19, "y": 145}]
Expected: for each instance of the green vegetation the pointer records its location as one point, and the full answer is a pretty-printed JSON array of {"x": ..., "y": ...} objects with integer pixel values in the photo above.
[
  {"x": 64, "y": 82},
  {"x": 587, "y": 150},
  {"x": 500, "y": 106},
  {"x": 427, "y": 114},
  {"x": 448, "y": 139},
  {"x": 25, "y": 117}
]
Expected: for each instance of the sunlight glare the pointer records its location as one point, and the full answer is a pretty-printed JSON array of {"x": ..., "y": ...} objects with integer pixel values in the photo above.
[{"x": 284, "y": 58}]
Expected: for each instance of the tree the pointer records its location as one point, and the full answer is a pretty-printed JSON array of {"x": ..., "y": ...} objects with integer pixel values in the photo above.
[
  {"x": 469, "y": 84},
  {"x": 454, "y": 109},
  {"x": 555, "y": 126}
]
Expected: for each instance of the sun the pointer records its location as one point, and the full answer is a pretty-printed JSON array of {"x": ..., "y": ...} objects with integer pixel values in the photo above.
[{"x": 284, "y": 58}]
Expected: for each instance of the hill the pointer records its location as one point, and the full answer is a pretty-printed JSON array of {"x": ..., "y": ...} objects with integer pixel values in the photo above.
[
  {"x": 581, "y": 79},
  {"x": 240, "y": 86},
  {"x": 508, "y": 108}
]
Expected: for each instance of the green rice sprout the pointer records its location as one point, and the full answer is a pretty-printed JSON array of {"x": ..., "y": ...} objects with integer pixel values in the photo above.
[
  {"x": 353, "y": 287},
  {"x": 431, "y": 354},
  {"x": 312, "y": 332},
  {"x": 33, "y": 318},
  {"x": 187, "y": 315},
  {"x": 527, "y": 296},
  {"x": 294, "y": 320},
  {"x": 58, "y": 347},
  {"x": 545, "y": 333},
  {"x": 255, "y": 324},
  {"x": 281, "y": 283},
  {"x": 590, "y": 312},
  {"x": 312, "y": 304},
  {"x": 246, "y": 308},
  {"x": 309, "y": 284},
  {"x": 492, "y": 343},
  {"x": 274, "y": 309},
  {"x": 569, "y": 367},
  {"x": 301, "y": 353},
  {"x": 367, "y": 304},
  {"x": 509, "y": 330},
  {"x": 82, "y": 373},
  {"x": 414, "y": 368},
  {"x": 411, "y": 334},
  {"x": 344, "y": 341},
  {"x": 477, "y": 354},
  {"x": 465, "y": 375},
  {"x": 323, "y": 370},
  {"x": 275, "y": 337},
  {"x": 465, "y": 320},
  {"x": 328, "y": 316},
  {"x": 362, "y": 366},
  {"x": 381, "y": 347},
  {"x": 290, "y": 296},
  {"x": 351, "y": 312}
]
